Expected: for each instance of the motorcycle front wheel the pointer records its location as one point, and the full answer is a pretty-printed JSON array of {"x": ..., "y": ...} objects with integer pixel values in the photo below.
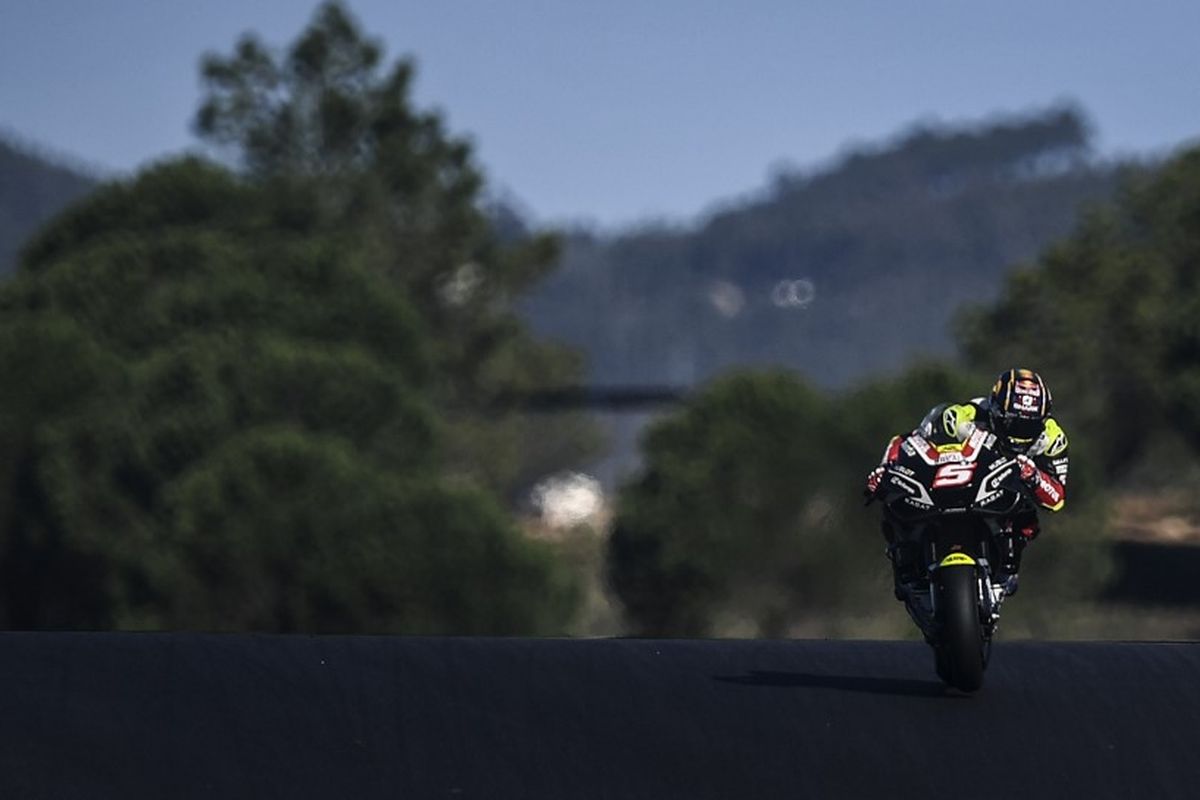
[{"x": 960, "y": 647}]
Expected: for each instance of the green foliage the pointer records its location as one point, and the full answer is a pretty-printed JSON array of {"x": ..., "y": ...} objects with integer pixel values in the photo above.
[
  {"x": 725, "y": 486},
  {"x": 1110, "y": 314},
  {"x": 748, "y": 505},
  {"x": 285, "y": 531},
  {"x": 243, "y": 398},
  {"x": 327, "y": 121},
  {"x": 748, "y": 509}
]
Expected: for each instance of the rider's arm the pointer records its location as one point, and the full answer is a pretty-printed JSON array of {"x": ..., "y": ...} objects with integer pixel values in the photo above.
[
  {"x": 1050, "y": 459},
  {"x": 1047, "y": 489},
  {"x": 890, "y": 454}
]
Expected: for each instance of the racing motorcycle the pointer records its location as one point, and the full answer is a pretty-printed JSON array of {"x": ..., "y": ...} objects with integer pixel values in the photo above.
[{"x": 955, "y": 501}]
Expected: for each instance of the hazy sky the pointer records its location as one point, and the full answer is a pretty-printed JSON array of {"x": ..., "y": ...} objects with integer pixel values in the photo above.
[{"x": 611, "y": 111}]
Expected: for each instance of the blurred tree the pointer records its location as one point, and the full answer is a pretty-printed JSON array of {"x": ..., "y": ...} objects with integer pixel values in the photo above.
[
  {"x": 388, "y": 183},
  {"x": 720, "y": 507},
  {"x": 227, "y": 419},
  {"x": 1110, "y": 313},
  {"x": 749, "y": 508}
]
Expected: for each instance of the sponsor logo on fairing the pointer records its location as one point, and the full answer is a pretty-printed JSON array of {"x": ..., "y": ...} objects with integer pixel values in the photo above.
[
  {"x": 995, "y": 480},
  {"x": 991, "y": 487},
  {"x": 921, "y": 447},
  {"x": 918, "y": 495}
]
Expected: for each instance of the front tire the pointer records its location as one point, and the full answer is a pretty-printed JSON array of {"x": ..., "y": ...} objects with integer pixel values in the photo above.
[{"x": 959, "y": 651}]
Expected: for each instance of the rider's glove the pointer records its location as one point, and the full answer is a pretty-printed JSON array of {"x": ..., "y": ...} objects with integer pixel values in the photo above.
[
  {"x": 1029, "y": 470},
  {"x": 874, "y": 478}
]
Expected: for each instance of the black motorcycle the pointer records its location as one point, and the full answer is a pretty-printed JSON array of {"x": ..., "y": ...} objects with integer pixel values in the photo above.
[{"x": 953, "y": 503}]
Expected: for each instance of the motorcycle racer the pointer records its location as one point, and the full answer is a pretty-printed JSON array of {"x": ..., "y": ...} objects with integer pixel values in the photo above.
[{"x": 1018, "y": 412}]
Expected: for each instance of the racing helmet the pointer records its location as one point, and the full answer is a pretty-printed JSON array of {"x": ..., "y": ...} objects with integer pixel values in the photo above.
[{"x": 1018, "y": 407}]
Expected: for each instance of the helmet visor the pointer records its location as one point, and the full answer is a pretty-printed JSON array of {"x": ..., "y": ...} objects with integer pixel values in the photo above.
[{"x": 1021, "y": 428}]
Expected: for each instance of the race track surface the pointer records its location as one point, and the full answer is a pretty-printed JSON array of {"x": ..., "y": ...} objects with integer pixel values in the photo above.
[{"x": 180, "y": 716}]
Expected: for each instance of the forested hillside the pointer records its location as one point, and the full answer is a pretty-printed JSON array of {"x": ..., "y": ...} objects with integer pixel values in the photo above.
[
  {"x": 840, "y": 273},
  {"x": 32, "y": 190},
  {"x": 747, "y": 515}
]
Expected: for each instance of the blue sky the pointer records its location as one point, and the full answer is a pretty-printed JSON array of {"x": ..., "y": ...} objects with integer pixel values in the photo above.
[{"x": 611, "y": 112}]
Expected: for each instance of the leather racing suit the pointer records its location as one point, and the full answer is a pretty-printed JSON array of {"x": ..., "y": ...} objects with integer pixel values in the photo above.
[{"x": 1044, "y": 462}]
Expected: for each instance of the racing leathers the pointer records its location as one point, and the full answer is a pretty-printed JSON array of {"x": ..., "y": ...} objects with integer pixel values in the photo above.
[{"x": 1043, "y": 460}]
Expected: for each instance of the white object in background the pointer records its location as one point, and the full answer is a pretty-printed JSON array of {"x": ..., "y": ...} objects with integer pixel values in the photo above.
[{"x": 568, "y": 499}]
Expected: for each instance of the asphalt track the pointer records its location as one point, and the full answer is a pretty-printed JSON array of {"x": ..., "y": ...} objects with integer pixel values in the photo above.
[{"x": 181, "y": 716}]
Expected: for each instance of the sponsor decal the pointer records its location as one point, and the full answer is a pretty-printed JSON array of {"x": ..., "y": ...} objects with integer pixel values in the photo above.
[
  {"x": 917, "y": 492},
  {"x": 1058, "y": 445},
  {"x": 922, "y": 448},
  {"x": 990, "y": 488},
  {"x": 1049, "y": 488},
  {"x": 950, "y": 422},
  {"x": 989, "y": 498},
  {"x": 996, "y": 479}
]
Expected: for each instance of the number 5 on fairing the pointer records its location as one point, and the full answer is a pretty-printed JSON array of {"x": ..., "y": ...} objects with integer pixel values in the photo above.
[{"x": 950, "y": 475}]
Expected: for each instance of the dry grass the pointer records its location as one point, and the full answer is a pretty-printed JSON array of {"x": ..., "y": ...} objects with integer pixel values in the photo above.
[{"x": 1169, "y": 516}]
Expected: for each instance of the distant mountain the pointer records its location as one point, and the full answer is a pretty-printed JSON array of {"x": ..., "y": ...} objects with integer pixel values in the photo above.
[
  {"x": 839, "y": 273},
  {"x": 32, "y": 190}
]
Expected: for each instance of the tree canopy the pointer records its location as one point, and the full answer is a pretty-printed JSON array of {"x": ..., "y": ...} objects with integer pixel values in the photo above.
[
  {"x": 747, "y": 512},
  {"x": 1111, "y": 312},
  {"x": 328, "y": 120},
  {"x": 247, "y": 396}
]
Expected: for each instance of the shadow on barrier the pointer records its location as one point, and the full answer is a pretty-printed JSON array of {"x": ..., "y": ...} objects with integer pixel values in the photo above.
[{"x": 844, "y": 683}]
